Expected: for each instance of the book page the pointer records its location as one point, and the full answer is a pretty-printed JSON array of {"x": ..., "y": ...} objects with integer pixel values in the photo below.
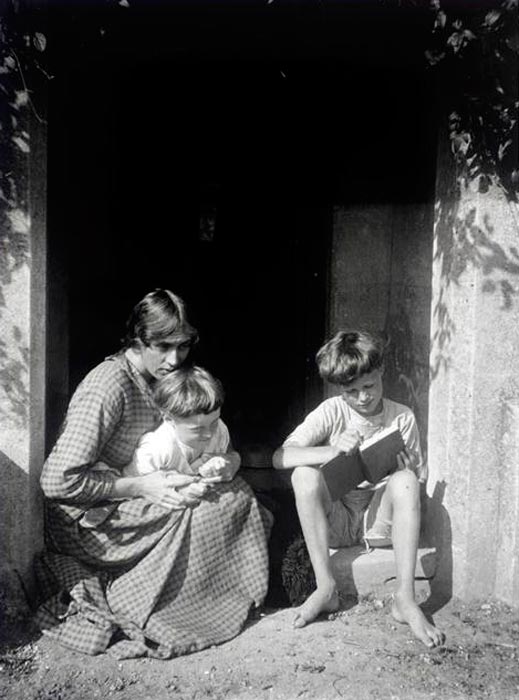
[{"x": 379, "y": 435}]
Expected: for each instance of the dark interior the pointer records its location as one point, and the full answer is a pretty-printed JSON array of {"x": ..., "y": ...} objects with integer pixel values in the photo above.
[{"x": 202, "y": 149}]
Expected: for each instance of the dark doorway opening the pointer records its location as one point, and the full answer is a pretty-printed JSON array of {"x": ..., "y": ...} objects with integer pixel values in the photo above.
[
  {"x": 202, "y": 149},
  {"x": 205, "y": 192}
]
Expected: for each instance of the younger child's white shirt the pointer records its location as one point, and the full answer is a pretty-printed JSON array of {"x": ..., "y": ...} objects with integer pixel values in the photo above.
[
  {"x": 333, "y": 416},
  {"x": 161, "y": 450},
  {"x": 158, "y": 450}
]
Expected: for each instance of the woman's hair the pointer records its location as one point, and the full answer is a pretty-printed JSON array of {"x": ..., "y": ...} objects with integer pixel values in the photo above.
[
  {"x": 188, "y": 391},
  {"x": 158, "y": 316},
  {"x": 349, "y": 355}
]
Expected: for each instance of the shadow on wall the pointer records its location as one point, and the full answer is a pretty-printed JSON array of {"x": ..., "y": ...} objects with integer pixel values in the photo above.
[
  {"x": 14, "y": 598},
  {"x": 14, "y": 232},
  {"x": 407, "y": 368},
  {"x": 462, "y": 244},
  {"x": 477, "y": 159},
  {"x": 14, "y": 354},
  {"x": 13, "y": 379},
  {"x": 441, "y": 539}
]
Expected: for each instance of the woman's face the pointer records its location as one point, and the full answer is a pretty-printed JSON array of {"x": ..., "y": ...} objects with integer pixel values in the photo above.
[{"x": 159, "y": 359}]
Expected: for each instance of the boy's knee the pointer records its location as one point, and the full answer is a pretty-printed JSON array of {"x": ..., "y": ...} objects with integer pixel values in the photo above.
[
  {"x": 306, "y": 480},
  {"x": 404, "y": 484}
]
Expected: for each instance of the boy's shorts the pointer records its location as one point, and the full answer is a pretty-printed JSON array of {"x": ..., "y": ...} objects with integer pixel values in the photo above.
[{"x": 354, "y": 516}]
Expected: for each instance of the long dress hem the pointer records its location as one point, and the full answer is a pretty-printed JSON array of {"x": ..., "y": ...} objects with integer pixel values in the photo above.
[{"x": 152, "y": 582}]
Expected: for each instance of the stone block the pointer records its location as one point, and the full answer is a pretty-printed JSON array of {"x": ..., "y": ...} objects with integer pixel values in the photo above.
[{"x": 359, "y": 573}]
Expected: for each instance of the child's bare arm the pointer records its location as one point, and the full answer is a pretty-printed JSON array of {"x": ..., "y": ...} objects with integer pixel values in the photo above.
[
  {"x": 235, "y": 461},
  {"x": 289, "y": 456}
]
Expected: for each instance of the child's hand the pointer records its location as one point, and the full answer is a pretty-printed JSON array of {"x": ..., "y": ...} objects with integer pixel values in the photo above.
[
  {"x": 407, "y": 459},
  {"x": 166, "y": 489},
  {"x": 218, "y": 468},
  {"x": 195, "y": 466},
  {"x": 348, "y": 441},
  {"x": 195, "y": 491}
]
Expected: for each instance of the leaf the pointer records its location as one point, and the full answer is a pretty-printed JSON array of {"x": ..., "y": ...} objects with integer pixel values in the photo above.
[
  {"x": 434, "y": 57},
  {"x": 20, "y": 220},
  {"x": 460, "y": 143},
  {"x": 21, "y": 99},
  {"x": 491, "y": 18},
  {"x": 441, "y": 19},
  {"x": 456, "y": 41},
  {"x": 39, "y": 41},
  {"x": 503, "y": 147},
  {"x": 21, "y": 143}
]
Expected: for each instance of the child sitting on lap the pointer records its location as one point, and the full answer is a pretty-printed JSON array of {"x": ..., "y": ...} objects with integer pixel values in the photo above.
[
  {"x": 355, "y": 361},
  {"x": 192, "y": 443}
]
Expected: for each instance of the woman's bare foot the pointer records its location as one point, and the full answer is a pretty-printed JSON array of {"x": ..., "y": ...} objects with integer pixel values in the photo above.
[
  {"x": 320, "y": 601},
  {"x": 406, "y": 610}
]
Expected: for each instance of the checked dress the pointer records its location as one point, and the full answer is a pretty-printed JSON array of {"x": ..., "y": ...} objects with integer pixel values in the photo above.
[{"x": 146, "y": 581}]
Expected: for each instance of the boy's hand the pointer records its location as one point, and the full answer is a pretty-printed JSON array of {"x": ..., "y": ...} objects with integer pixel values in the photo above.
[
  {"x": 407, "y": 459},
  {"x": 218, "y": 468},
  {"x": 348, "y": 441}
]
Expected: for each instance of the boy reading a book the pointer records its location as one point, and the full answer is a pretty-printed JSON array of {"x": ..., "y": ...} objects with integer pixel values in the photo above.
[{"x": 372, "y": 512}]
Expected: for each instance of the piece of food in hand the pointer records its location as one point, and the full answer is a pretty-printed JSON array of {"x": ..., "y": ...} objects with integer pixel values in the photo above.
[{"x": 213, "y": 467}]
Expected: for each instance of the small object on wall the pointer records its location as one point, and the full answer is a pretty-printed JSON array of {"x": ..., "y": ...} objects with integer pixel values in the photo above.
[{"x": 207, "y": 224}]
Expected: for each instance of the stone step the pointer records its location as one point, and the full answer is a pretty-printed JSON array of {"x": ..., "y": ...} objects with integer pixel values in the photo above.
[{"x": 359, "y": 573}]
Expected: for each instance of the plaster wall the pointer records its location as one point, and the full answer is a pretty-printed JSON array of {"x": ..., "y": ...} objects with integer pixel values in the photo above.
[
  {"x": 474, "y": 396},
  {"x": 22, "y": 333},
  {"x": 21, "y": 414}
]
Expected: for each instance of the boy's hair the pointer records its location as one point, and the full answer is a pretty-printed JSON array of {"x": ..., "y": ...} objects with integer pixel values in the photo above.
[
  {"x": 188, "y": 391},
  {"x": 349, "y": 355},
  {"x": 158, "y": 316}
]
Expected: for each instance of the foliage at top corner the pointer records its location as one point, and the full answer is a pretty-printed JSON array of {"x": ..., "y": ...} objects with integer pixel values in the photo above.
[{"x": 475, "y": 51}]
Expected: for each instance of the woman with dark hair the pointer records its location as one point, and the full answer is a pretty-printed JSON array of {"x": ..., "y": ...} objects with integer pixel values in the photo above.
[{"x": 166, "y": 572}]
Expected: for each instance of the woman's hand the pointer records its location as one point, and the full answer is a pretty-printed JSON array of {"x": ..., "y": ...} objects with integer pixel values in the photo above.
[
  {"x": 220, "y": 467},
  {"x": 168, "y": 489},
  {"x": 407, "y": 459},
  {"x": 348, "y": 441}
]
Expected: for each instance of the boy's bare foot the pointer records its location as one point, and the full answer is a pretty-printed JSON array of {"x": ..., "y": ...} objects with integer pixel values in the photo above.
[
  {"x": 321, "y": 601},
  {"x": 407, "y": 611}
]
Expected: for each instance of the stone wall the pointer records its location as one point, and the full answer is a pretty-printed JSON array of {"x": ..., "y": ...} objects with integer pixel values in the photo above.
[
  {"x": 22, "y": 317},
  {"x": 474, "y": 397}
]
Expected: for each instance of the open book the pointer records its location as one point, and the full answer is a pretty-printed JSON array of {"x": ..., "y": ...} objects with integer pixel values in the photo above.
[{"x": 374, "y": 460}]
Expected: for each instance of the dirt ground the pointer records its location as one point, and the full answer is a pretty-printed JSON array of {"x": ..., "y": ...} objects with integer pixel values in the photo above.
[{"x": 357, "y": 653}]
